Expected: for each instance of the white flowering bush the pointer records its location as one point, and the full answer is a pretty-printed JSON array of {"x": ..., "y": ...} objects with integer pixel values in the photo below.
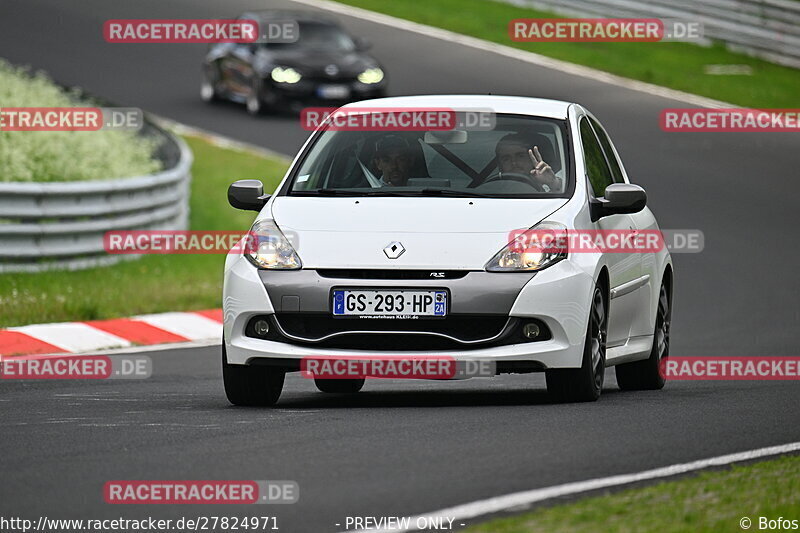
[{"x": 64, "y": 155}]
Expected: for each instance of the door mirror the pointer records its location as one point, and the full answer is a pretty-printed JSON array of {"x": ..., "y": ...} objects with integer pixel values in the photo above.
[
  {"x": 620, "y": 198},
  {"x": 247, "y": 194}
]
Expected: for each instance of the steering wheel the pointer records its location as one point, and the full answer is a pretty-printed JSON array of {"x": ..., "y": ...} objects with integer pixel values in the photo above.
[{"x": 514, "y": 176}]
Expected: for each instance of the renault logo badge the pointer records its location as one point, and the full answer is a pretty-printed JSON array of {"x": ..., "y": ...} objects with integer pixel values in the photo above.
[{"x": 394, "y": 250}]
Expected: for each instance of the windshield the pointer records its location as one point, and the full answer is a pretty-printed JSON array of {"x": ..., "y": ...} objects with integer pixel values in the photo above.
[
  {"x": 319, "y": 37},
  {"x": 521, "y": 156}
]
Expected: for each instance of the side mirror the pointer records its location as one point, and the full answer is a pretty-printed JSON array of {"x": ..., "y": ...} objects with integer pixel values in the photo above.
[
  {"x": 620, "y": 198},
  {"x": 362, "y": 43},
  {"x": 247, "y": 194}
]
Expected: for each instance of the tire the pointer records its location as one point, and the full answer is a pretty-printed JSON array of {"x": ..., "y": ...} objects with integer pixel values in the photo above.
[
  {"x": 208, "y": 93},
  {"x": 340, "y": 386},
  {"x": 585, "y": 384},
  {"x": 208, "y": 87},
  {"x": 251, "y": 385},
  {"x": 254, "y": 103},
  {"x": 646, "y": 374}
]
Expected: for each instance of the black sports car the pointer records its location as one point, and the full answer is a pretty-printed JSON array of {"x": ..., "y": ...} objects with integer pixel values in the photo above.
[{"x": 324, "y": 66}]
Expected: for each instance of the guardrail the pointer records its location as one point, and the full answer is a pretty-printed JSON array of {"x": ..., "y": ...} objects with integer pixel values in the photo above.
[
  {"x": 60, "y": 225},
  {"x": 769, "y": 29}
]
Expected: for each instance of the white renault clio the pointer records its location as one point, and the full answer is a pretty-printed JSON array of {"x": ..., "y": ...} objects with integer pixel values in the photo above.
[{"x": 399, "y": 243}]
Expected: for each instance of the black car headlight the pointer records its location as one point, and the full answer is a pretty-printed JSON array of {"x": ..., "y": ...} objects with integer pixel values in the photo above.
[
  {"x": 285, "y": 75},
  {"x": 371, "y": 76}
]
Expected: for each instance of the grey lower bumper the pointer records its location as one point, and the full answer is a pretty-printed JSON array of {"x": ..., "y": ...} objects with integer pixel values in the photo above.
[{"x": 306, "y": 291}]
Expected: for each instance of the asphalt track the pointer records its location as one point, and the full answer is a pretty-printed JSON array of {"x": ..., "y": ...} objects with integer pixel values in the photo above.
[{"x": 403, "y": 448}]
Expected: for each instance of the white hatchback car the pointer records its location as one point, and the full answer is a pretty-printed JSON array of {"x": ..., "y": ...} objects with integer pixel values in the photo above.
[{"x": 397, "y": 244}]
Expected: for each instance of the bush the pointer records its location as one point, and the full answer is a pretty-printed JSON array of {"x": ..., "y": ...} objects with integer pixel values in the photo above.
[{"x": 38, "y": 156}]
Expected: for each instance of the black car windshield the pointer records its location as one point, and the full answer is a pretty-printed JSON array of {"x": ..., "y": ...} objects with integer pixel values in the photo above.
[
  {"x": 520, "y": 156},
  {"x": 319, "y": 36}
]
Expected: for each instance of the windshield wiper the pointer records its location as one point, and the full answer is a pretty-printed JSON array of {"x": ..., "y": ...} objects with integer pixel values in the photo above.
[
  {"x": 386, "y": 191},
  {"x": 329, "y": 192},
  {"x": 345, "y": 192},
  {"x": 454, "y": 193}
]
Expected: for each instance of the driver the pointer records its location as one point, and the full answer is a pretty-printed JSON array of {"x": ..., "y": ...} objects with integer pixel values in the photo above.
[
  {"x": 515, "y": 154},
  {"x": 394, "y": 158}
]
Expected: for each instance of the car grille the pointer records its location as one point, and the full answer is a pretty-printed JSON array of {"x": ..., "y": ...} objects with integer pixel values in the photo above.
[
  {"x": 454, "y": 332},
  {"x": 451, "y": 332},
  {"x": 343, "y": 79},
  {"x": 394, "y": 343}
]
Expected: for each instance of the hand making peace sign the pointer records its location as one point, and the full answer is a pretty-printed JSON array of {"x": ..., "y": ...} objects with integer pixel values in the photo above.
[{"x": 542, "y": 172}]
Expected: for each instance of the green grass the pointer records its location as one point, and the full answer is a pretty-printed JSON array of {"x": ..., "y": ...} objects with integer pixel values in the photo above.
[
  {"x": 154, "y": 283},
  {"x": 64, "y": 155},
  {"x": 675, "y": 65},
  {"x": 709, "y": 502}
]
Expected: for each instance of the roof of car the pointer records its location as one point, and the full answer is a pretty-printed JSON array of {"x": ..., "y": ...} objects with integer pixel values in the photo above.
[
  {"x": 264, "y": 15},
  {"x": 499, "y": 104}
]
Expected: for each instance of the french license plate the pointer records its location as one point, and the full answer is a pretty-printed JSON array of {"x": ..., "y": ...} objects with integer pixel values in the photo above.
[
  {"x": 383, "y": 303},
  {"x": 333, "y": 92}
]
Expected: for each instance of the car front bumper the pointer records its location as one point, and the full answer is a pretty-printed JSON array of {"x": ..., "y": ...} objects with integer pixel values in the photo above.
[
  {"x": 321, "y": 92},
  {"x": 558, "y": 296}
]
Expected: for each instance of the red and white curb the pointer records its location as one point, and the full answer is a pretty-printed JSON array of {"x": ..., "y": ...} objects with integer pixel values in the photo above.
[{"x": 91, "y": 336}]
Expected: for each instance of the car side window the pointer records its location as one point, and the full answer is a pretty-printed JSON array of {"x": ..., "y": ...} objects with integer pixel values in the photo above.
[
  {"x": 613, "y": 162},
  {"x": 594, "y": 159}
]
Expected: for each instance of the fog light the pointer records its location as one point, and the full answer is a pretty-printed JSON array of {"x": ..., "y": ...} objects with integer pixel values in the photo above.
[
  {"x": 261, "y": 327},
  {"x": 531, "y": 330}
]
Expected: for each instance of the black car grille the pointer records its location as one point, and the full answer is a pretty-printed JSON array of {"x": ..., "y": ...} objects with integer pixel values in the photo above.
[
  {"x": 464, "y": 328},
  {"x": 395, "y": 343},
  {"x": 454, "y": 332},
  {"x": 324, "y": 78}
]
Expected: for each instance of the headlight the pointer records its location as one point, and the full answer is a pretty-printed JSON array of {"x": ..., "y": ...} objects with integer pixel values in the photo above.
[
  {"x": 269, "y": 248},
  {"x": 535, "y": 249},
  {"x": 370, "y": 76},
  {"x": 285, "y": 75}
]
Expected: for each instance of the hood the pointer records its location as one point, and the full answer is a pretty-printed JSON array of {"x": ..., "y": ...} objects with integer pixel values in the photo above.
[
  {"x": 312, "y": 62},
  {"x": 446, "y": 233}
]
